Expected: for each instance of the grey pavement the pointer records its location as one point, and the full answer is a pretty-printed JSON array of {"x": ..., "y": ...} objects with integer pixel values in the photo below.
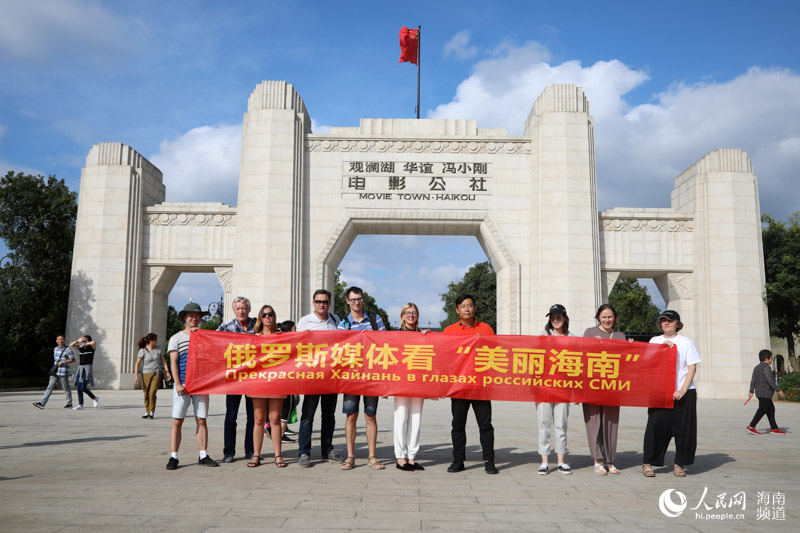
[{"x": 104, "y": 470}]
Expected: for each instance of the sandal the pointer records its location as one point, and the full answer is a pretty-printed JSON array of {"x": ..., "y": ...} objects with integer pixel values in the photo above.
[
  {"x": 647, "y": 471},
  {"x": 376, "y": 464},
  {"x": 600, "y": 469},
  {"x": 279, "y": 462},
  {"x": 678, "y": 471},
  {"x": 254, "y": 462},
  {"x": 349, "y": 463},
  {"x": 613, "y": 469}
]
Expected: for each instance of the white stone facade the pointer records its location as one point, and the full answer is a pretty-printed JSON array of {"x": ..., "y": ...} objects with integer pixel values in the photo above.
[{"x": 530, "y": 201}]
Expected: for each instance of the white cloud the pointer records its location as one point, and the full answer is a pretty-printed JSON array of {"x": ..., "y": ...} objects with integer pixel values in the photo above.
[
  {"x": 202, "y": 165},
  {"x": 316, "y": 127},
  {"x": 460, "y": 47},
  {"x": 642, "y": 149},
  {"x": 41, "y": 30}
]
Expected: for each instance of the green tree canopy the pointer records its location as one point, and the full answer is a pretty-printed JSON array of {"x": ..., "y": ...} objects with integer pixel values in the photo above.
[
  {"x": 782, "y": 287},
  {"x": 37, "y": 223},
  {"x": 481, "y": 282},
  {"x": 635, "y": 309},
  {"x": 340, "y": 301}
]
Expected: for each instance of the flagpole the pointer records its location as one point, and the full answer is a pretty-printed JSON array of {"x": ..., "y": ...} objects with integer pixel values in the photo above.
[{"x": 419, "y": 46}]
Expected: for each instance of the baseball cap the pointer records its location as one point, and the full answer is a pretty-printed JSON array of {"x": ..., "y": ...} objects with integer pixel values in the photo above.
[
  {"x": 557, "y": 309},
  {"x": 669, "y": 314}
]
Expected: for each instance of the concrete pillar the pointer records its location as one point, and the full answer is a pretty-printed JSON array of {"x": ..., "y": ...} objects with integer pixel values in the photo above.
[
  {"x": 565, "y": 256},
  {"x": 116, "y": 184},
  {"x": 730, "y": 323},
  {"x": 268, "y": 254}
]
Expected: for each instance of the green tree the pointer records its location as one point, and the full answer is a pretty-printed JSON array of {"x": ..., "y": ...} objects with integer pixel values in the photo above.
[
  {"x": 782, "y": 287},
  {"x": 635, "y": 309},
  {"x": 174, "y": 325},
  {"x": 340, "y": 301},
  {"x": 481, "y": 282},
  {"x": 37, "y": 223},
  {"x": 212, "y": 323}
]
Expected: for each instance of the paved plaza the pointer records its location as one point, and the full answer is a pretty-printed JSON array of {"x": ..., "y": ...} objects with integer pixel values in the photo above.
[{"x": 103, "y": 470}]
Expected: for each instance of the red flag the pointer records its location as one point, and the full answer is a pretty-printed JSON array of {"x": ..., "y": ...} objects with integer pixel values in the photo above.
[{"x": 409, "y": 45}]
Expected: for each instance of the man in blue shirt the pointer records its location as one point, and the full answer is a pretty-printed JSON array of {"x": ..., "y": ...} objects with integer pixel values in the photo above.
[
  {"x": 360, "y": 320},
  {"x": 241, "y": 323},
  {"x": 62, "y": 357}
]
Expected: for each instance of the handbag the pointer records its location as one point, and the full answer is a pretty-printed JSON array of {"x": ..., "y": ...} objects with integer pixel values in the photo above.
[{"x": 53, "y": 370}]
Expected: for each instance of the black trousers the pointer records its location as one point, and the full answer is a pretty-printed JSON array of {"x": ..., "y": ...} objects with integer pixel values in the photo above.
[
  {"x": 483, "y": 415},
  {"x": 664, "y": 424},
  {"x": 232, "y": 402},
  {"x": 289, "y": 403},
  {"x": 765, "y": 407}
]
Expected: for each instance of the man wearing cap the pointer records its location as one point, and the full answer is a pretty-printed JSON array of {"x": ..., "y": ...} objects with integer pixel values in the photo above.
[
  {"x": 240, "y": 323},
  {"x": 468, "y": 324},
  {"x": 178, "y": 357},
  {"x": 321, "y": 319}
]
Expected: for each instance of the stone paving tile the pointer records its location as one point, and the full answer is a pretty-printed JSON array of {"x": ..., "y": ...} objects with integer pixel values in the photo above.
[{"x": 104, "y": 468}]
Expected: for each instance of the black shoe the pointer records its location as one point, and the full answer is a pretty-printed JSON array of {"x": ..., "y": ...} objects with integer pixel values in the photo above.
[
  {"x": 418, "y": 466},
  {"x": 68, "y": 406},
  {"x": 207, "y": 461},
  {"x": 407, "y": 467},
  {"x": 490, "y": 468},
  {"x": 228, "y": 459},
  {"x": 286, "y": 438},
  {"x": 289, "y": 432},
  {"x": 40, "y": 405},
  {"x": 457, "y": 466},
  {"x": 172, "y": 464},
  {"x": 150, "y": 416}
]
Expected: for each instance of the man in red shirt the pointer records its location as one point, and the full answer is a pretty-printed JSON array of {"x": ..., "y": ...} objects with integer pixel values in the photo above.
[{"x": 469, "y": 325}]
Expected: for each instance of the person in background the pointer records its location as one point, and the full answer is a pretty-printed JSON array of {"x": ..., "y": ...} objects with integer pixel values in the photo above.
[
  {"x": 62, "y": 357},
  {"x": 763, "y": 385},
  {"x": 151, "y": 362},
  {"x": 85, "y": 376},
  {"x": 291, "y": 401}
]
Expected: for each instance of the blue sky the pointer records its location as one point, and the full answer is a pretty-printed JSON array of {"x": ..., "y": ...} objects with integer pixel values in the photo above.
[{"x": 667, "y": 82}]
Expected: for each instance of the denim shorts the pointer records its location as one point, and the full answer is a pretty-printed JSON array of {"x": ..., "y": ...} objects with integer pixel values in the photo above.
[
  {"x": 351, "y": 401},
  {"x": 180, "y": 404}
]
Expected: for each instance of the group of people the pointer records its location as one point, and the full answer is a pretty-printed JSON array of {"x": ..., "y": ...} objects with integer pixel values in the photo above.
[
  {"x": 59, "y": 372},
  {"x": 602, "y": 421}
]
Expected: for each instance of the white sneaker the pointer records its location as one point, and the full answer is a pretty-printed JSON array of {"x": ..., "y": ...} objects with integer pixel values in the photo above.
[
  {"x": 96, "y": 401},
  {"x": 79, "y": 408}
]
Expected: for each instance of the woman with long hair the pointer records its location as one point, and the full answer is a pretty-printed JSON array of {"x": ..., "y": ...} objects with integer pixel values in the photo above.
[
  {"x": 85, "y": 375},
  {"x": 408, "y": 411},
  {"x": 554, "y": 415},
  {"x": 151, "y": 362},
  {"x": 602, "y": 421},
  {"x": 266, "y": 324}
]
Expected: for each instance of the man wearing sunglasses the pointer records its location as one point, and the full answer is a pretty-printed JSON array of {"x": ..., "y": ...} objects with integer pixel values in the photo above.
[
  {"x": 241, "y": 323},
  {"x": 320, "y": 319}
]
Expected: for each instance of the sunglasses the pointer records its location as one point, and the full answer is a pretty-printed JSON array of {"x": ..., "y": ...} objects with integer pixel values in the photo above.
[
  {"x": 322, "y": 302},
  {"x": 267, "y": 313}
]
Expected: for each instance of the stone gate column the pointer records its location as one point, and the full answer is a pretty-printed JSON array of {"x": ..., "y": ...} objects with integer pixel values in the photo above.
[
  {"x": 116, "y": 184},
  {"x": 268, "y": 254},
  {"x": 730, "y": 318},
  {"x": 565, "y": 264}
]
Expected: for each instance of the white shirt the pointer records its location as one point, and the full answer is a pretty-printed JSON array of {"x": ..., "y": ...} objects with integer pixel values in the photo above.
[
  {"x": 687, "y": 355},
  {"x": 312, "y": 322}
]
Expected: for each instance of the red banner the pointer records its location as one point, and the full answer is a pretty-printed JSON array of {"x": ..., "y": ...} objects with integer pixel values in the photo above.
[{"x": 399, "y": 363}]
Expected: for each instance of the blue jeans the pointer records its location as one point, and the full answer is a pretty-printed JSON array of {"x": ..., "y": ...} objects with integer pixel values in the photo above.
[
  {"x": 50, "y": 386},
  {"x": 82, "y": 387},
  {"x": 232, "y": 402},
  {"x": 310, "y": 403},
  {"x": 351, "y": 401}
]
